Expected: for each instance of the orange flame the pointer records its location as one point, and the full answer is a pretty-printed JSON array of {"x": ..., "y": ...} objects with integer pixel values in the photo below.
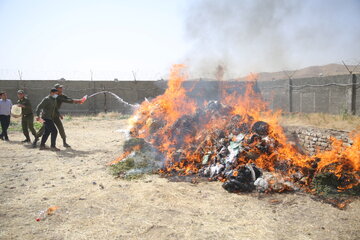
[{"x": 166, "y": 123}]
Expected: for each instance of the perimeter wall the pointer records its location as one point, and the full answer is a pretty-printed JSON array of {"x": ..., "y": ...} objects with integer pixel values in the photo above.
[{"x": 333, "y": 94}]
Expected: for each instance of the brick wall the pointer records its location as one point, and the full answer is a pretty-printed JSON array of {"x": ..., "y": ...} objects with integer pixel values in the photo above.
[{"x": 309, "y": 139}]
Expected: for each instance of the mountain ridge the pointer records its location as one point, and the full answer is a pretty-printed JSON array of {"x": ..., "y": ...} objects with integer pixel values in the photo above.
[{"x": 307, "y": 72}]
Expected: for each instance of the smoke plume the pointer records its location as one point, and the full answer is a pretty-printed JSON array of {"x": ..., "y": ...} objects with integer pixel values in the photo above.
[{"x": 270, "y": 35}]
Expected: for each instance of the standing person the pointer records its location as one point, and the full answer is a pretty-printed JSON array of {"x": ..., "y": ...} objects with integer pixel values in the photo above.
[
  {"x": 58, "y": 117},
  {"x": 27, "y": 116},
  {"x": 62, "y": 98},
  {"x": 5, "y": 112},
  {"x": 47, "y": 109}
]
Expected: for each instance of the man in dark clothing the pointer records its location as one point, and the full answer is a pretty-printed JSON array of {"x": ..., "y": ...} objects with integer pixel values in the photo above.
[
  {"x": 62, "y": 98},
  {"x": 5, "y": 113},
  {"x": 47, "y": 109},
  {"x": 58, "y": 117},
  {"x": 27, "y": 116}
]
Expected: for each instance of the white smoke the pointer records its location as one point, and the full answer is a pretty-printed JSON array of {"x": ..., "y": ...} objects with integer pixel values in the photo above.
[{"x": 270, "y": 35}]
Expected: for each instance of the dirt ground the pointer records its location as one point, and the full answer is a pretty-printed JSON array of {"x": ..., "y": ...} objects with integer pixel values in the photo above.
[{"x": 94, "y": 205}]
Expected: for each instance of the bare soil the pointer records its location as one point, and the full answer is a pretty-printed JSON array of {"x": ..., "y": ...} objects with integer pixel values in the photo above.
[{"x": 94, "y": 205}]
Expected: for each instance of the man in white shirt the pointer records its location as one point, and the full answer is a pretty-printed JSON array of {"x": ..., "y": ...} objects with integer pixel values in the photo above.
[{"x": 5, "y": 112}]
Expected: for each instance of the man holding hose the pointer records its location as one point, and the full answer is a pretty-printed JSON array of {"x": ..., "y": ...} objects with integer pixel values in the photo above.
[
  {"x": 47, "y": 109},
  {"x": 62, "y": 98}
]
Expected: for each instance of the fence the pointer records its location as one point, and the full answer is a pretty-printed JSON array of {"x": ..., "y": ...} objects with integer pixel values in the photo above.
[{"x": 333, "y": 94}]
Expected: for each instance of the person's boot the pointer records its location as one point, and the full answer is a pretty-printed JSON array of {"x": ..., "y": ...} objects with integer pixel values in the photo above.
[
  {"x": 27, "y": 140},
  {"x": 54, "y": 149},
  {"x": 42, "y": 147},
  {"x": 65, "y": 144},
  {"x": 35, "y": 142},
  {"x": 1, "y": 137}
]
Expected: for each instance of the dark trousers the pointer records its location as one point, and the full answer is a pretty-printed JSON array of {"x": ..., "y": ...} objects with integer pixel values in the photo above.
[
  {"x": 27, "y": 122},
  {"x": 5, "y": 122},
  {"x": 49, "y": 128},
  {"x": 58, "y": 124}
]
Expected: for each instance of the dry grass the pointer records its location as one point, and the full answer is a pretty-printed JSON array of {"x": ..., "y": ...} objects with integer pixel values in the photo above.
[{"x": 321, "y": 120}]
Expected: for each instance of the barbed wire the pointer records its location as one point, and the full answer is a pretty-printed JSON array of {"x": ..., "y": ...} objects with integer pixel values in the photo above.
[
  {"x": 23, "y": 84},
  {"x": 92, "y": 74},
  {"x": 312, "y": 85},
  {"x": 83, "y": 89},
  {"x": 286, "y": 85}
]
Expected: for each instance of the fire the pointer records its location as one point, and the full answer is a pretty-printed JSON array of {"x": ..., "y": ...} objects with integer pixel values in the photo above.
[
  {"x": 124, "y": 155},
  {"x": 344, "y": 162},
  {"x": 119, "y": 159},
  {"x": 192, "y": 135}
]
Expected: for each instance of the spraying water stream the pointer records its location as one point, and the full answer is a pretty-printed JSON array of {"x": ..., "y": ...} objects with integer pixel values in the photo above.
[{"x": 116, "y": 96}]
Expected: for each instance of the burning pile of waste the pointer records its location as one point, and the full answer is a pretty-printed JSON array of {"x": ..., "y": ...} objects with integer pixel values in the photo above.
[{"x": 236, "y": 140}]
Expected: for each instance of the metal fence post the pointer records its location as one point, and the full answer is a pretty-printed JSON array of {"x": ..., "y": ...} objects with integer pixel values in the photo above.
[
  {"x": 105, "y": 105},
  {"x": 353, "y": 94},
  {"x": 290, "y": 95},
  {"x": 94, "y": 100},
  {"x": 89, "y": 102}
]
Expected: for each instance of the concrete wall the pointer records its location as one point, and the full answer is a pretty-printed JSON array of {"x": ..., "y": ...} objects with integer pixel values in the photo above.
[
  {"x": 331, "y": 94},
  {"x": 130, "y": 91},
  {"x": 275, "y": 93}
]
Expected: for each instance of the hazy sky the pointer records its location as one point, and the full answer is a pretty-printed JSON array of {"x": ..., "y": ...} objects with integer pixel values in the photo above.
[{"x": 67, "y": 38}]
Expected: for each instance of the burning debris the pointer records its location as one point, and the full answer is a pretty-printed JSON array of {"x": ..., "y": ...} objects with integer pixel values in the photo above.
[{"x": 236, "y": 140}]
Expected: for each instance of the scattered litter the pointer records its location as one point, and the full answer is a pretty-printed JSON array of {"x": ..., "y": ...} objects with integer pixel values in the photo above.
[
  {"x": 42, "y": 215},
  {"x": 242, "y": 179}
]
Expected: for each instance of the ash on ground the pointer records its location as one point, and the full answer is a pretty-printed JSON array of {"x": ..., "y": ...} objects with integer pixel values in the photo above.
[{"x": 140, "y": 158}]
